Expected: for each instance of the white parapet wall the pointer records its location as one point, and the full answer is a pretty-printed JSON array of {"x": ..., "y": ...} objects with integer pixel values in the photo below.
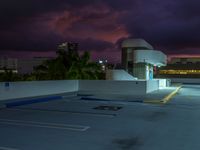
[
  {"x": 36, "y": 88},
  {"x": 152, "y": 85},
  {"x": 163, "y": 83},
  {"x": 136, "y": 87},
  {"x": 41, "y": 88}
]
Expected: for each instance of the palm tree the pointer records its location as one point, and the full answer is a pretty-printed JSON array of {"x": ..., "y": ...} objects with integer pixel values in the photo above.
[
  {"x": 83, "y": 68},
  {"x": 68, "y": 65},
  {"x": 51, "y": 70},
  {"x": 67, "y": 55}
]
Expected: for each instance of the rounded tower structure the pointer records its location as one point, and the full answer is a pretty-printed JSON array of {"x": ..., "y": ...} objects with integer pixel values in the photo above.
[{"x": 139, "y": 58}]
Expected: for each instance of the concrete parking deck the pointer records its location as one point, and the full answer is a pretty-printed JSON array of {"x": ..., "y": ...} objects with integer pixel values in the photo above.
[{"x": 72, "y": 123}]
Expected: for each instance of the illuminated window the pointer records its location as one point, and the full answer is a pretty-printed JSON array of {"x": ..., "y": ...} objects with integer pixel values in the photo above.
[{"x": 179, "y": 71}]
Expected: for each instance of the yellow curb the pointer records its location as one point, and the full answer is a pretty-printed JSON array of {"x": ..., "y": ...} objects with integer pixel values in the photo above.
[
  {"x": 169, "y": 97},
  {"x": 165, "y": 99}
]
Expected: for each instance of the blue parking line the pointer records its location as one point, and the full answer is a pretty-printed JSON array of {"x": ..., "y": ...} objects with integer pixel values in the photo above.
[{"x": 31, "y": 101}]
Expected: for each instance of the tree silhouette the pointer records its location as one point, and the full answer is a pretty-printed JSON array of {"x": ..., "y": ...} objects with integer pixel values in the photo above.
[{"x": 68, "y": 64}]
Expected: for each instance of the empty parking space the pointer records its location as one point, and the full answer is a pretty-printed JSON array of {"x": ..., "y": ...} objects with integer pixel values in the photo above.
[{"x": 75, "y": 107}]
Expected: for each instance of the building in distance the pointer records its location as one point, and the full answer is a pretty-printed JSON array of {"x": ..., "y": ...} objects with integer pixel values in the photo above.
[
  {"x": 139, "y": 58},
  {"x": 21, "y": 66},
  {"x": 181, "y": 67}
]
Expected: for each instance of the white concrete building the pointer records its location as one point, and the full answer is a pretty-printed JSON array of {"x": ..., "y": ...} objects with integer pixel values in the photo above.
[
  {"x": 26, "y": 66},
  {"x": 139, "y": 58},
  {"x": 8, "y": 64},
  {"x": 21, "y": 66}
]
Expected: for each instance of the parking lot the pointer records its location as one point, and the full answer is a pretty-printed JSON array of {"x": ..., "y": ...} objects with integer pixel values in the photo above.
[{"x": 74, "y": 124}]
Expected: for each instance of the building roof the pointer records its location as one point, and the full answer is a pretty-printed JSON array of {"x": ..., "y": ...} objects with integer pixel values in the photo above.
[{"x": 136, "y": 43}]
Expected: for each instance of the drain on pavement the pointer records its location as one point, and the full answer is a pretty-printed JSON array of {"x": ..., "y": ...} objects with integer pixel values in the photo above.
[{"x": 104, "y": 107}]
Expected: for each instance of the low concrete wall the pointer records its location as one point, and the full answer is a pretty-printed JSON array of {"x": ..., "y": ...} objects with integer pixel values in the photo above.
[
  {"x": 41, "y": 88},
  {"x": 112, "y": 87},
  {"x": 162, "y": 83},
  {"x": 185, "y": 80},
  {"x": 36, "y": 88},
  {"x": 152, "y": 85}
]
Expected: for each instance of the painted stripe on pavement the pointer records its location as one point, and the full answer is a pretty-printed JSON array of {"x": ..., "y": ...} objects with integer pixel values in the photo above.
[
  {"x": 7, "y": 148},
  {"x": 166, "y": 99},
  {"x": 69, "y": 112},
  {"x": 44, "y": 125}
]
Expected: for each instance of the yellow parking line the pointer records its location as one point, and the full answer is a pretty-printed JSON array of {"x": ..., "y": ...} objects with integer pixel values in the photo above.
[
  {"x": 166, "y": 99},
  {"x": 169, "y": 97}
]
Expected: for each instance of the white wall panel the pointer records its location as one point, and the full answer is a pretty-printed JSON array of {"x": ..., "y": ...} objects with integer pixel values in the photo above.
[
  {"x": 112, "y": 87},
  {"x": 36, "y": 88}
]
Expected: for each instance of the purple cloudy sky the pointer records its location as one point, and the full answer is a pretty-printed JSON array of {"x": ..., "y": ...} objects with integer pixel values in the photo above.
[{"x": 36, "y": 27}]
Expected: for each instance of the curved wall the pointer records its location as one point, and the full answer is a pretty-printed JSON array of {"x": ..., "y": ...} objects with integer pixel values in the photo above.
[{"x": 153, "y": 57}]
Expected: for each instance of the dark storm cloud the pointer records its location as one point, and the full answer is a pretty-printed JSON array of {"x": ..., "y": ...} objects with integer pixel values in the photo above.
[
  {"x": 14, "y": 11},
  {"x": 97, "y": 45},
  {"x": 187, "y": 9},
  {"x": 171, "y": 25},
  {"x": 26, "y": 43},
  {"x": 37, "y": 25}
]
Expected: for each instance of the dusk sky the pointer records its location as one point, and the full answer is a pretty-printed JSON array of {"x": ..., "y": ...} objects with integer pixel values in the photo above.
[{"x": 36, "y": 27}]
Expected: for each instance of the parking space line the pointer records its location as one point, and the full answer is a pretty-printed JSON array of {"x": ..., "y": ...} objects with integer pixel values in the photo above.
[
  {"x": 44, "y": 125},
  {"x": 69, "y": 112},
  {"x": 169, "y": 97},
  {"x": 166, "y": 99},
  {"x": 7, "y": 148}
]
